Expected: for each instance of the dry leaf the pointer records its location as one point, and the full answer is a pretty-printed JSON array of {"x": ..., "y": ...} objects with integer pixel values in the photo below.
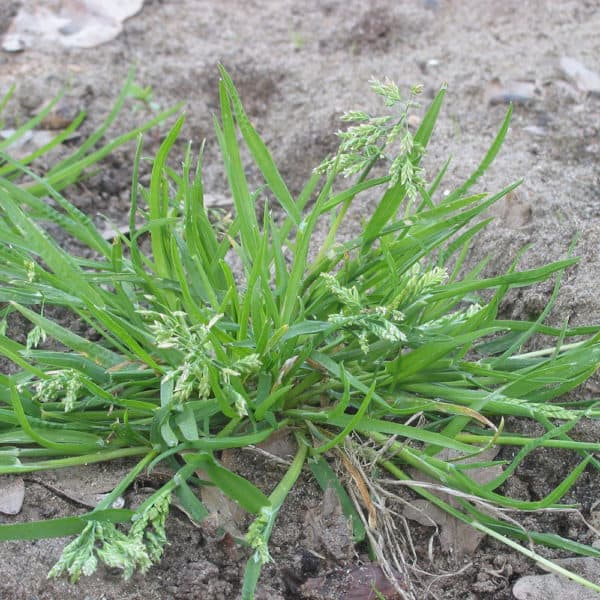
[
  {"x": 515, "y": 209},
  {"x": 86, "y": 487},
  {"x": 224, "y": 513},
  {"x": 12, "y": 493},
  {"x": 367, "y": 582},
  {"x": 72, "y": 23},
  {"x": 281, "y": 443},
  {"x": 456, "y": 538},
  {"x": 327, "y": 530}
]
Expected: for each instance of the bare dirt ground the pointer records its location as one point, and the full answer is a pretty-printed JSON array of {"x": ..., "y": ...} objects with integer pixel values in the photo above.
[{"x": 298, "y": 66}]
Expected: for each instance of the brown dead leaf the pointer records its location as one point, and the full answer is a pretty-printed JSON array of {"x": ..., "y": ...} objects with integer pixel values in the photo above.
[
  {"x": 12, "y": 494},
  {"x": 456, "y": 538},
  {"x": 282, "y": 444},
  {"x": 86, "y": 487},
  {"x": 225, "y": 514},
  {"x": 72, "y": 23},
  {"x": 515, "y": 209},
  {"x": 366, "y": 582},
  {"x": 327, "y": 530}
]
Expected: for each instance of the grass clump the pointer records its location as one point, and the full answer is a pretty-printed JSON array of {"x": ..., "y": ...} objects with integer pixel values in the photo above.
[{"x": 343, "y": 345}]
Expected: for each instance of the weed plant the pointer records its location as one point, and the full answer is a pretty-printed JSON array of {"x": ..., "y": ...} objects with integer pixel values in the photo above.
[{"x": 384, "y": 347}]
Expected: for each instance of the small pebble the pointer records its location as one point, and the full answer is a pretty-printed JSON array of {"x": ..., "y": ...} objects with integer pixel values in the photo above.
[
  {"x": 535, "y": 130},
  {"x": 13, "y": 43},
  {"x": 585, "y": 79},
  {"x": 512, "y": 92},
  {"x": 60, "y": 117}
]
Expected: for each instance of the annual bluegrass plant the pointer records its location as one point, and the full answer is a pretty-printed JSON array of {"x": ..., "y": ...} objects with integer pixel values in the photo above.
[{"x": 384, "y": 347}]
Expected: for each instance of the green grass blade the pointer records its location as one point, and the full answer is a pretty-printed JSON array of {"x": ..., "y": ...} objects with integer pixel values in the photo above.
[
  {"x": 73, "y": 341},
  {"x": 260, "y": 153},
  {"x": 158, "y": 206},
  {"x": 261, "y": 536},
  {"x": 61, "y": 527},
  {"x": 237, "y": 488},
  {"x": 246, "y": 215}
]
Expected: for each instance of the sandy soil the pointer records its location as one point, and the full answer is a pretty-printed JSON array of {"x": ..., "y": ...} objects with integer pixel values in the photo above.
[{"x": 298, "y": 66}]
